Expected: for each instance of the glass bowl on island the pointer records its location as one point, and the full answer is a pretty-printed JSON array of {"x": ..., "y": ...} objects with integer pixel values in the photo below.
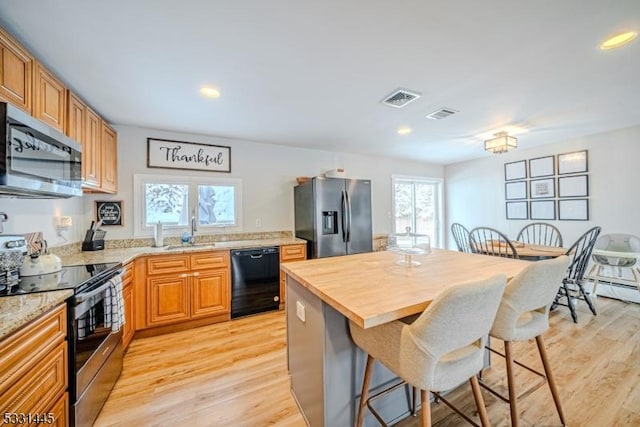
[{"x": 410, "y": 245}]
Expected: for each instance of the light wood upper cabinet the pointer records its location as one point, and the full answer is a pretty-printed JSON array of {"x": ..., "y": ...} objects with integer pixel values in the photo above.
[
  {"x": 91, "y": 150},
  {"x": 50, "y": 98},
  {"x": 76, "y": 121},
  {"x": 109, "y": 161},
  {"x": 16, "y": 73},
  {"x": 84, "y": 126}
]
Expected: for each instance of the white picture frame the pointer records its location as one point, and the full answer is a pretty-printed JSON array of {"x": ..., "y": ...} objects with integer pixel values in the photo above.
[
  {"x": 574, "y": 162},
  {"x": 542, "y": 209},
  {"x": 517, "y": 210},
  {"x": 515, "y": 190},
  {"x": 515, "y": 170},
  {"x": 573, "y": 209},
  {"x": 542, "y": 188},
  {"x": 542, "y": 166},
  {"x": 573, "y": 186}
]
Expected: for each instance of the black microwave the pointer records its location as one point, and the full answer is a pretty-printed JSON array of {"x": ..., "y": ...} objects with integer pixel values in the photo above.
[{"x": 36, "y": 161}]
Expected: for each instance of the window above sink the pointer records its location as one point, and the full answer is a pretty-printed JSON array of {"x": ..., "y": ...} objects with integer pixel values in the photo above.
[{"x": 172, "y": 200}]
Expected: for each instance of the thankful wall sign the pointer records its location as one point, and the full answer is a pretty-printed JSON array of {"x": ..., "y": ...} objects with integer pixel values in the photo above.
[{"x": 168, "y": 154}]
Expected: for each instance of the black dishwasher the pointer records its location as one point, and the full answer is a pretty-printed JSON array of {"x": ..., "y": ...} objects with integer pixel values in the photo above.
[{"x": 255, "y": 281}]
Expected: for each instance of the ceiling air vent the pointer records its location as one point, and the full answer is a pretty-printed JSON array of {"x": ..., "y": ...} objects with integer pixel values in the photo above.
[
  {"x": 400, "y": 97},
  {"x": 441, "y": 113}
]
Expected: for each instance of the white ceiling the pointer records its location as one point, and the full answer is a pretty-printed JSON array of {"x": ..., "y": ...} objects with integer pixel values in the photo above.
[{"x": 312, "y": 73}]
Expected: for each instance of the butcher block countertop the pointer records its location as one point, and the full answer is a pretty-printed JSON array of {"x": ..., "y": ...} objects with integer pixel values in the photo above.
[
  {"x": 18, "y": 310},
  {"x": 371, "y": 289}
]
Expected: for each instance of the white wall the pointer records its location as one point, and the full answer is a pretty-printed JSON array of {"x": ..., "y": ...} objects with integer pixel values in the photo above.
[
  {"x": 30, "y": 215},
  {"x": 475, "y": 189},
  {"x": 268, "y": 175}
]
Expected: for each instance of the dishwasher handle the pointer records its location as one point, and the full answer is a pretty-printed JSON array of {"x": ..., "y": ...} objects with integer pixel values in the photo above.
[{"x": 255, "y": 253}]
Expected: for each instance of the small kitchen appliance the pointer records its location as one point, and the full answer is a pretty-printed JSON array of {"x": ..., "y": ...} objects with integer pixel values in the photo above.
[{"x": 41, "y": 262}]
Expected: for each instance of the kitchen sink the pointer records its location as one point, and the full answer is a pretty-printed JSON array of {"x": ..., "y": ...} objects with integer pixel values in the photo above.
[{"x": 191, "y": 245}]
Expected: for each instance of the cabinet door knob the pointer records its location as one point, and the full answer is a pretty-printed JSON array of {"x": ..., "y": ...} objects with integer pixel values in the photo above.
[
  {"x": 183, "y": 275},
  {"x": 196, "y": 274}
]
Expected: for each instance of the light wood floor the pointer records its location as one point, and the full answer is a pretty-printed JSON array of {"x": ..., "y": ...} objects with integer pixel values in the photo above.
[{"x": 234, "y": 374}]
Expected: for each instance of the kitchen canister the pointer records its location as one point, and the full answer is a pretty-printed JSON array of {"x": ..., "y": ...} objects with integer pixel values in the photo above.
[{"x": 158, "y": 234}]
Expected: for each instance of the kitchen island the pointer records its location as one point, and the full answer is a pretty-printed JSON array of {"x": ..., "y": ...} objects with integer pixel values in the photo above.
[{"x": 370, "y": 289}]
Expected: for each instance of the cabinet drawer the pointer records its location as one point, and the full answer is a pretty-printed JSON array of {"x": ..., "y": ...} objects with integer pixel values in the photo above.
[
  {"x": 171, "y": 264},
  {"x": 207, "y": 260},
  {"x": 20, "y": 351},
  {"x": 291, "y": 252},
  {"x": 127, "y": 276},
  {"x": 60, "y": 411},
  {"x": 39, "y": 388}
]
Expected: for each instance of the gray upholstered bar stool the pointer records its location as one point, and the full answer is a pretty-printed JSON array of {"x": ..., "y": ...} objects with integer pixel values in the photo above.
[
  {"x": 441, "y": 349},
  {"x": 523, "y": 315}
]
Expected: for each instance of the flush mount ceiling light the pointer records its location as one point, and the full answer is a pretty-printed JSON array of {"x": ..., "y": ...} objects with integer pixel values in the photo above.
[
  {"x": 618, "y": 40},
  {"x": 209, "y": 92},
  {"x": 404, "y": 131},
  {"x": 501, "y": 143}
]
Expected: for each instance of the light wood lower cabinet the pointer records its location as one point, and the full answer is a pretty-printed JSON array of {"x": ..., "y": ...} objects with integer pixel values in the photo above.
[
  {"x": 297, "y": 252},
  {"x": 210, "y": 292},
  {"x": 34, "y": 369},
  {"x": 128, "y": 295},
  {"x": 168, "y": 300},
  {"x": 182, "y": 288}
]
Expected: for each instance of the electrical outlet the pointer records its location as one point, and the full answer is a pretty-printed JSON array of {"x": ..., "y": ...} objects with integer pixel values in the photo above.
[
  {"x": 258, "y": 222},
  {"x": 300, "y": 311}
]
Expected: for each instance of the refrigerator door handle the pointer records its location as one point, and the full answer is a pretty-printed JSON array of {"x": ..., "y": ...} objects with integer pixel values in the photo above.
[
  {"x": 346, "y": 193},
  {"x": 343, "y": 215}
]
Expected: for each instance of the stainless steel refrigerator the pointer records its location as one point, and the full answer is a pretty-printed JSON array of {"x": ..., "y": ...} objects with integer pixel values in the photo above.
[{"x": 334, "y": 216}]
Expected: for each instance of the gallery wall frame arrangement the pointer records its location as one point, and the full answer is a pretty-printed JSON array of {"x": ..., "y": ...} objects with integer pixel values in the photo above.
[{"x": 548, "y": 188}]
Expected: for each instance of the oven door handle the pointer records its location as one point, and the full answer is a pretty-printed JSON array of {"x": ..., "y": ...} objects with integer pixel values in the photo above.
[{"x": 85, "y": 296}]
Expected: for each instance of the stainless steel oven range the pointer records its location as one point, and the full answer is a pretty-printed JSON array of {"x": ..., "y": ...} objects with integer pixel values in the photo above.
[{"x": 95, "y": 349}]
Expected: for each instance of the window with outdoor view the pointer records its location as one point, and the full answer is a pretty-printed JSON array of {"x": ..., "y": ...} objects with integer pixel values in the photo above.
[
  {"x": 417, "y": 204},
  {"x": 174, "y": 200}
]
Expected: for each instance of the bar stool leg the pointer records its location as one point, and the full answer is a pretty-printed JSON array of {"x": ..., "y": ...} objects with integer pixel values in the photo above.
[
  {"x": 365, "y": 390},
  {"x": 426, "y": 408},
  {"x": 477, "y": 395},
  {"x": 550, "y": 379},
  {"x": 511, "y": 384}
]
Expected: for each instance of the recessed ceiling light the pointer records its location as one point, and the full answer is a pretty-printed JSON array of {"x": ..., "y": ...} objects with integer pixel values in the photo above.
[
  {"x": 209, "y": 92},
  {"x": 404, "y": 131},
  {"x": 618, "y": 40}
]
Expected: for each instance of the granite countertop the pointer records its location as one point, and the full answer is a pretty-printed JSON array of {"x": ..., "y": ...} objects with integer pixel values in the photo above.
[
  {"x": 126, "y": 255},
  {"x": 18, "y": 310}
]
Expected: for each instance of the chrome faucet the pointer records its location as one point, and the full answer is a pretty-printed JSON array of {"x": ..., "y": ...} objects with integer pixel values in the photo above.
[{"x": 194, "y": 228}]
